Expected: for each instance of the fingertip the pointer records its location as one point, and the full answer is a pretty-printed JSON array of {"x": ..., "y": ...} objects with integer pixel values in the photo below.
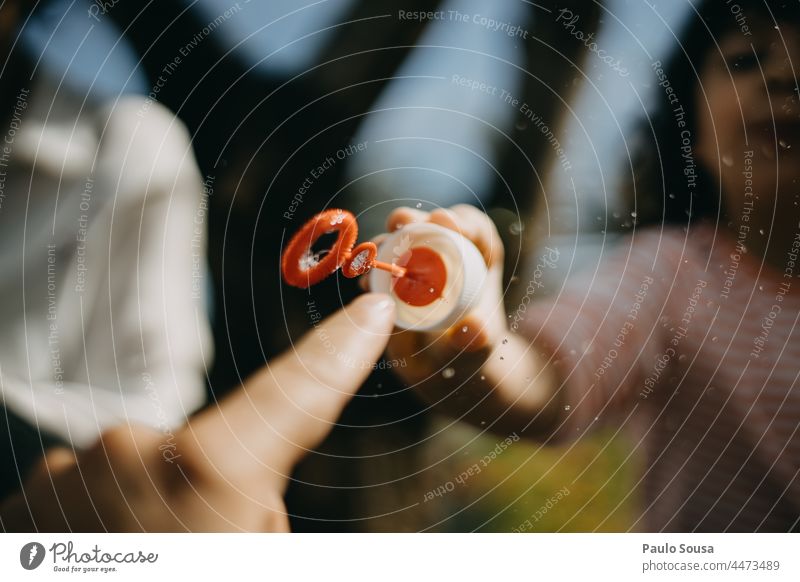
[
  {"x": 399, "y": 217},
  {"x": 375, "y": 301},
  {"x": 374, "y": 311},
  {"x": 447, "y": 219}
]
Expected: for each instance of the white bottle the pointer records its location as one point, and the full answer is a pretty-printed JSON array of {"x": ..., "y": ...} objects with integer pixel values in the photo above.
[{"x": 465, "y": 275}]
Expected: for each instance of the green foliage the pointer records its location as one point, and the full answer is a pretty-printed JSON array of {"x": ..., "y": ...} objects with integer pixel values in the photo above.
[{"x": 590, "y": 485}]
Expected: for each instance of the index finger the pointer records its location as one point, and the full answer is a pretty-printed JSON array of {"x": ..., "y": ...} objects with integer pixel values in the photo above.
[{"x": 288, "y": 407}]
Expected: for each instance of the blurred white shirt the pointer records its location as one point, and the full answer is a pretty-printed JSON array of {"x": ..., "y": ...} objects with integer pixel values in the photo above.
[{"x": 102, "y": 266}]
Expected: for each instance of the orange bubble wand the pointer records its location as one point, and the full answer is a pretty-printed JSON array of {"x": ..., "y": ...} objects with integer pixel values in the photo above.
[{"x": 419, "y": 282}]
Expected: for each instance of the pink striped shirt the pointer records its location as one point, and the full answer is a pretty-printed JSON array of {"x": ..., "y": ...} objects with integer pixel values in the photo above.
[{"x": 694, "y": 346}]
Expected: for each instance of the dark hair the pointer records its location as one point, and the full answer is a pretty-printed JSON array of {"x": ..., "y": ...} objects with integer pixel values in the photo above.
[{"x": 660, "y": 189}]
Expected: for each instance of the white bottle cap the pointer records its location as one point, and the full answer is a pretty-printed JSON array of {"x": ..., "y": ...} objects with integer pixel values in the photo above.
[{"x": 466, "y": 275}]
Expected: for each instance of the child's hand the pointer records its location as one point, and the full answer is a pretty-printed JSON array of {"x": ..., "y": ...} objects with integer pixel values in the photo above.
[
  {"x": 475, "y": 336},
  {"x": 227, "y": 469},
  {"x": 477, "y": 370}
]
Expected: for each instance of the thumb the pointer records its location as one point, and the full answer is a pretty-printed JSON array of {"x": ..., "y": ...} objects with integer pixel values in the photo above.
[{"x": 290, "y": 405}]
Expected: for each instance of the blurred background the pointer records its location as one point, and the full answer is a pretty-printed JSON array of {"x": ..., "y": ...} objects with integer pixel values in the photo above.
[{"x": 504, "y": 104}]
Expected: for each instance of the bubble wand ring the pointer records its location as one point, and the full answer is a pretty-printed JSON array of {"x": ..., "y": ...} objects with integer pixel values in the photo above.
[
  {"x": 361, "y": 260},
  {"x": 301, "y": 267},
  {"x": 441, "y": 277}
]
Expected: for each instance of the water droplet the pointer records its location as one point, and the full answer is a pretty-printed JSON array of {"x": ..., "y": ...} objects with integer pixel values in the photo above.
[
  {"x": 682, "y": 357},
  {"x": 784, "y": 144},
  {"x": 760, "y": 231},
  {"x": 502, "y": 358},
  {"x": 727, "y": 160},
  {"x": 522, "y": 125},
  {"x": 431, "y": 290},
  {"x": 633, "y": 214},
  {"x": 464, "y": 329},
  {"x": 567, "y": 407},
  {"x": 505, "y": 341},
  {"x": 419, "y": 204},
  {"x": 483, "y": 377},
  {"x": 448, "y": 373},
  {"x": 516, "y": 228},
  {"x": 672, "y": 196}
]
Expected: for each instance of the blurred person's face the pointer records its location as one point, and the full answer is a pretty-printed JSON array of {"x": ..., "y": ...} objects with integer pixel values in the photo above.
[{"x": 749, "y": 121}]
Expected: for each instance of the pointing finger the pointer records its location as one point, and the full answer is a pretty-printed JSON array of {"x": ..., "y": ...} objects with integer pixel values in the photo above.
[{"x": 290, "y": 405}]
